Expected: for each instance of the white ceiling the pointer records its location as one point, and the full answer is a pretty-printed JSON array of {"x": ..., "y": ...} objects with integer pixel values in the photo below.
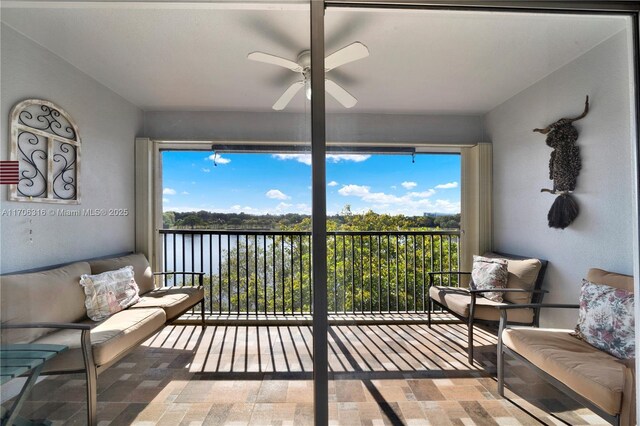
[{"x": 421, "y": 62}]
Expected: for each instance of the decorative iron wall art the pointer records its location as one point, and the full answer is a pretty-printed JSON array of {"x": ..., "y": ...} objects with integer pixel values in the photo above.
[
  {"x": 46, "y": 144},
  {"x": 564, "y": 168}
]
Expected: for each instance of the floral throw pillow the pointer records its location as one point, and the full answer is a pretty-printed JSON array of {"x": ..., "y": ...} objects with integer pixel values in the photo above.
[
  {"x": 109, "y": 292},
  {"x": 489, "y": 274},
  {"x": 606, "y": 319}
]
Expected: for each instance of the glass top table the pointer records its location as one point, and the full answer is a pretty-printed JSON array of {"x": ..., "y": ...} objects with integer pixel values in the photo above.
[{"x": 23, "y": 360}]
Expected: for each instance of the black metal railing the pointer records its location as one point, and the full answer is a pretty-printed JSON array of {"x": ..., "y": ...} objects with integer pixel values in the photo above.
[{"x": 269, "y": 272}]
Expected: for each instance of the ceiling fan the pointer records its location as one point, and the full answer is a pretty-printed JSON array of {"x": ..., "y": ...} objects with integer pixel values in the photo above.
[{"x": 347, "y": 54}]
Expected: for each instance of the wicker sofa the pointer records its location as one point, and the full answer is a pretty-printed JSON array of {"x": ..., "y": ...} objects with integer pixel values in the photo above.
[{"x": 48, "y": 307}]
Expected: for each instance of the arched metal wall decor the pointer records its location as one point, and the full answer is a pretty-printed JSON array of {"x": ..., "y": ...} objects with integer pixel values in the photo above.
[{"x": 46, "y": 143}]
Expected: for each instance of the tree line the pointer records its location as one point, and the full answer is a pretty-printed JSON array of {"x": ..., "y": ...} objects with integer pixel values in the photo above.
[{"x": 345, "y": 220}]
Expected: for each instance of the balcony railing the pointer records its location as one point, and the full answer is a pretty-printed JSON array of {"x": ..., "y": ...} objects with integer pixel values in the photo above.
[{"x": 269, "y": 272}]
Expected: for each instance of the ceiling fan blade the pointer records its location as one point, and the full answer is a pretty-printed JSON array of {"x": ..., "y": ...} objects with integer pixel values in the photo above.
[
  {"x": 288, "y": 95},
  {"x": 341, "y": 95},
  {"x": 274, "y": 60},
  {"x": 347, "y": 54}
]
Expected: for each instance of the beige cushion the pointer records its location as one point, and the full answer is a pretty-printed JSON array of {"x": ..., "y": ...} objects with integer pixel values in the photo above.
[
  {"x": 174, "y": 300},
  {"x": 459, "y": 300},
  {"x": 600, "y": 276},
  {"x": 110, "y": 339},
  {"x": 523, "y": 274},
  {"x": 141, "y": 268},
  {"x": 594, "y": 374},
  {"x": 54, "y": 295}
]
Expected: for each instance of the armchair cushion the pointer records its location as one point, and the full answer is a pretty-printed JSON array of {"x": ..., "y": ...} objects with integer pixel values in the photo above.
[
  {"x": 594, "y": 374},
  {"x": 523, "y": 274},
  {"x": 489, "y": 274},
  {"x": 458, "y": 300},
  {"x": 606, "y": 319}
]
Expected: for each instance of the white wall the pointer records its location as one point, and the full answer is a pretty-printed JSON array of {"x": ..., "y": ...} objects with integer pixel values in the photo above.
[
  {"x": 283, "y": 126},
  {"x": 602, "y": 234},
  {"x": 107, "y": 125}
]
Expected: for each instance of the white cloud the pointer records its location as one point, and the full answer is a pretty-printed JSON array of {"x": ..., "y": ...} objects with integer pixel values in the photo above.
[
  {"x": 300, "y": 158},
  {"x": 169, "y": 191},
  {"x": 446, "y": 206},
  {"x": 165, "y": 200},
  {"x": 218, "y": 159},
  {"x": 333, "y": 158},
  {"x": 204, "y": 169},
  {"x": 355, "y": 190},
  {"x": 394, "y": 187},
  {"x": 356, "y": 158},
  {"x": 184, "y": 193},
  {"x": 423, "y": 194},
  {"x": 365, "y": 194},
  {"x": 303, "y": 208},
  {"x": 449, "y": 185},
  {"x": 332, "y": 183},
  {"x": 277, "y": 194},
  {"x": 409, "y": 185},
  {"x": 413, "y": 203}
]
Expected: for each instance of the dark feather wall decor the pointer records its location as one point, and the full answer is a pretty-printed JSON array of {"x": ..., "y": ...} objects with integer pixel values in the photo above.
[{"x": 564, "y": 168}]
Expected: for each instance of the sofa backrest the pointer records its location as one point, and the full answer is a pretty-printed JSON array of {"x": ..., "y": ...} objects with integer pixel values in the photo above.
[
  {"x": 612, "y": 279},
  {"x": 53, "y": 295},
  {"x": 141, "y": 269}
]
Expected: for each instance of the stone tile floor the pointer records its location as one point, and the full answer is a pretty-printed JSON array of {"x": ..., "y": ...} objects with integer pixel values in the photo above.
[{"x": 398, "y": 374}]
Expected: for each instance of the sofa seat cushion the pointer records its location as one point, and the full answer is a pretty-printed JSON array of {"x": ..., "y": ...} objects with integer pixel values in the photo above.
[
  {"x": 594, "y": 374},
  {"x": 174, "y": 300},
  {"x": 110, "y": 338},
  {"x": 458, "y": 300}
]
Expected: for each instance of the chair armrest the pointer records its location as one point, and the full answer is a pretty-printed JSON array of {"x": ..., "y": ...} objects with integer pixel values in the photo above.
[
  {"x": 432, "y": 274},
  {"x": 178, "y": 273},
  {"x": 505, "y": 308},
  {"x": 85, "y": 337},
  {"x": 507, "y": 290},
  {"x": 448, "y": 273},
  {"x": 60, "y": 325},
  {"x": 199, "y": 274},
  {"x": 538, "y": 305}
]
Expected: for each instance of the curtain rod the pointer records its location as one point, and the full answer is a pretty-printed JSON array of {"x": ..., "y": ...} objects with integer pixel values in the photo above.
[{"x": 307, "y": 149}]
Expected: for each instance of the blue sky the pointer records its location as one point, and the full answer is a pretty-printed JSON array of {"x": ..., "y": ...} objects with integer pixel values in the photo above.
[{"x": 281, "y": 183}]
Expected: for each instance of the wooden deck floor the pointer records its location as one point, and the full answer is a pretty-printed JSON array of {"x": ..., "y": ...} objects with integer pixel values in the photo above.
[{"x": 261, "y": 375}]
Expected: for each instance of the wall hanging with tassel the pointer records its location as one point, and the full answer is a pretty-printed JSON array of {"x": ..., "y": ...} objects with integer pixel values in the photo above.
[{"x": 564, "y": 168}]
